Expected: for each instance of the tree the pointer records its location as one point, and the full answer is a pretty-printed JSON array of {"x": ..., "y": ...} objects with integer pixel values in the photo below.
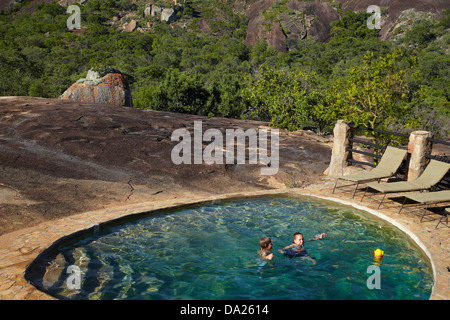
[
  {"x": 287, "y": 99},
  {"x": 182, "y": 93},
  {"x": 225, "y": 95},
  {"x": 420, "y": 35},
  {"x": 376, "y": 95},
  {"x": 352, "y": 24}
]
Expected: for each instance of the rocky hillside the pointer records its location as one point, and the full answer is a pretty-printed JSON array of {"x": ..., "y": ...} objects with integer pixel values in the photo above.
[
  {"x": 278, "y": 20},
  {"x": 395, "y": 9},
  {"x": 275, "y": 21},
  {"x": 295, "y": 19}
]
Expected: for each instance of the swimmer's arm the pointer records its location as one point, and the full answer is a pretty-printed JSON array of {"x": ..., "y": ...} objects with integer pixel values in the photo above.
[
  {"x": 287, "y": 247},
  {"x": 266, "y": 256},
  {"x": 321, "y": 236}
]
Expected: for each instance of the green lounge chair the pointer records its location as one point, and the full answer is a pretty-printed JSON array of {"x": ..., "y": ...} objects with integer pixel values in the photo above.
[
  {"x": 431, "y": 176},
  {"x": 427, "y": 198},
  {"x": 387, "y": 167},
  {"x": 445, "y": 215}
]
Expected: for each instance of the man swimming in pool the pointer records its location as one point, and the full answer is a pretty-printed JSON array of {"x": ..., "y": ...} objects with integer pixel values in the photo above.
[{"x": 296, "y": 248}]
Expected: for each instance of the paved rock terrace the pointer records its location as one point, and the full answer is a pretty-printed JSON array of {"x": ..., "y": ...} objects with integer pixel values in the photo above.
[{"x": 66, "y": 166}]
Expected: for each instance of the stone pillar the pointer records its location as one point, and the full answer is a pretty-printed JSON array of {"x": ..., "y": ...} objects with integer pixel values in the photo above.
[
  {"x": 418, "y": 146},
  {"x": 340, "y": 151}
]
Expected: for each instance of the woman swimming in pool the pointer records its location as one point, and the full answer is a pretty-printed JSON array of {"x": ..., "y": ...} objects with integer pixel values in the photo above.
[{"x": 296, "y": 249}]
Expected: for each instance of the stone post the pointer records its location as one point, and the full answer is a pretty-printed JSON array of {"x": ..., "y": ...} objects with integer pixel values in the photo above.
[
  {"x": 418, "y": 146},
  {"x": 340, "y": 151}
]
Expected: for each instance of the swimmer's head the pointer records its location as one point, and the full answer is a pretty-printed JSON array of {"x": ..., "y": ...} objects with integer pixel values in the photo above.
[
  {"x": 265, "y": 243},
  {"x": 298, "y": 238}
]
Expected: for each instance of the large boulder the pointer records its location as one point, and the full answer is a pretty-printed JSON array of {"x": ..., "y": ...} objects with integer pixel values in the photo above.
[
  {"x": 297, "y": 21},
  {"x": 130, "y": 27},
  {"x": 147, "y": 10},
  {"x": 112, "y": 89},
  {"x": 258, "y": 29},
  {"x": 155, "y": 10},
  {"x": 168, "y": 15}
]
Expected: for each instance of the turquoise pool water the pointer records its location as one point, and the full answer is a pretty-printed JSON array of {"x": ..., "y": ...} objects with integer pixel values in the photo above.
[{"x": 209, "y": 251}]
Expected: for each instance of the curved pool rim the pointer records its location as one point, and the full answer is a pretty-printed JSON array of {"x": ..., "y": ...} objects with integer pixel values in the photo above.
[
  {"x": 41, "y": 257},
  {"x": 394, "y": 222}
]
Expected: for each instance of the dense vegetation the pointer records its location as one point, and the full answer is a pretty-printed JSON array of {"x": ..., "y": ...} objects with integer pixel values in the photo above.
[{"x": 398, "y": 84}]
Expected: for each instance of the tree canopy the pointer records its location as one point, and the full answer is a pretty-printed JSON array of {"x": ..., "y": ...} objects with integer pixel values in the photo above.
[{"x": 354, "y": 76}]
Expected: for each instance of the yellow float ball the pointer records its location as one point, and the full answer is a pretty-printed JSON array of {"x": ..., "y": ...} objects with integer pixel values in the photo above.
[{"x": 379, "y": 253}]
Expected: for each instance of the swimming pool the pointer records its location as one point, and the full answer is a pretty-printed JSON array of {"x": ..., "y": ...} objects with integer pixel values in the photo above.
[{"x": 209, "y": 251}]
